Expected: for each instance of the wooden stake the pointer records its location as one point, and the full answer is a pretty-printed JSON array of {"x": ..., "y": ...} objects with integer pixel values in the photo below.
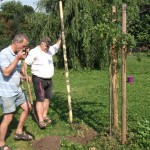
[
  {"x": 124, "y": 50},
  {"x": 114, "y": 74},
  {"x": 110, "y": 95},
  {"x": 65, "y": 61}
]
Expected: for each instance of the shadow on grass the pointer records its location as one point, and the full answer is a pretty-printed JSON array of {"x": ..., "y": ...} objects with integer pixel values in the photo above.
[{"x": 92, "y": 113}]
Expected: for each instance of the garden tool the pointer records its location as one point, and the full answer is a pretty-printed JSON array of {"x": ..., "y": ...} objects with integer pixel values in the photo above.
[{"x": 32, "y": 113}]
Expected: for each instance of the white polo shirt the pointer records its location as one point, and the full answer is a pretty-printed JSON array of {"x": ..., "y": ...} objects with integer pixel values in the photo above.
[{"x": 42, "y": 62}]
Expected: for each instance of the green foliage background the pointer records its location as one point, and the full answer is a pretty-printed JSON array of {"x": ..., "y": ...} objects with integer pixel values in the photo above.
[{"x": 89, "y": 29}]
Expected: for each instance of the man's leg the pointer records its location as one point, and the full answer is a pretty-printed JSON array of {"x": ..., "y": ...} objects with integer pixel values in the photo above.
[
  {"x": 26, "y": 107},
  {"x": 39, "y": 92},
  {"x": 20, "y": 134},
  {"x": 45, "y": 107},
  {"x": 40, "y": 110},
  {"x": 4, "y": 126},
  {"x": 48, "y": 96}
]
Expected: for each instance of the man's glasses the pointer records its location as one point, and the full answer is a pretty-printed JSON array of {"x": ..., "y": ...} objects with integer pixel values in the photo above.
[
  {"x": 47, "y": 45},
  {"x": 24, "y": 46}
]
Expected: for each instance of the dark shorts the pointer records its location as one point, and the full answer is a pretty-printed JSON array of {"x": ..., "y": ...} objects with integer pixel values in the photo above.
[{"x": 42, "y": 88}]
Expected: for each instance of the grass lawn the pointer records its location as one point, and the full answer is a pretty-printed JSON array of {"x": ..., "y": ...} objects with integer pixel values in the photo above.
[{"x": 90, "y": 106}]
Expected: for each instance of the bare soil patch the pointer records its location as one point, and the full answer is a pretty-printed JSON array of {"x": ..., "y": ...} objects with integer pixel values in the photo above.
[{"x": 83, "y": 136}]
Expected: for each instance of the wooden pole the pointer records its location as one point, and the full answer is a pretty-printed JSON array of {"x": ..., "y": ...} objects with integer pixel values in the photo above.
[
  {"x": 124, "y": 50},
  {"x": 65, "y": 61},
  {"x": 110, "y": 95},
  {"x": 114, "y": 74},
  {"x": 112, "y": 78}
]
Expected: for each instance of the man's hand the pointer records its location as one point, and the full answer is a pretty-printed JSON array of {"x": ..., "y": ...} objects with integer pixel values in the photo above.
[
  {"x": 21, "y": 55},
  {"x": 59, "y": 36},
  {"x": 28, "y": 78}
]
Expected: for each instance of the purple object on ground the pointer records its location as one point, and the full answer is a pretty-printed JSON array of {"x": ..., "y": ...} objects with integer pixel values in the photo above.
[{"x": 130, "y": 79}]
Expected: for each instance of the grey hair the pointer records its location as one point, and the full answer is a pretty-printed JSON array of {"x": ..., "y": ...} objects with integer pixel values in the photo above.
[{"x": 19, "y": 38}]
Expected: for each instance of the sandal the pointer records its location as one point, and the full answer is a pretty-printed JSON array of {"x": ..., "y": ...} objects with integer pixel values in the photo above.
[
  {"x": 47, "y": 120},
  {"x": 42, "y": 125},
  {"x": 23, "y": 136},
  {"x": 4, "y": 147}
]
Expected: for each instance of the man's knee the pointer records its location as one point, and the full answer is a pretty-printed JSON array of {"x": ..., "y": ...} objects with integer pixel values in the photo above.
[
  {"x": 8, "y": 118},
  {"x": 26, "y": 107}
]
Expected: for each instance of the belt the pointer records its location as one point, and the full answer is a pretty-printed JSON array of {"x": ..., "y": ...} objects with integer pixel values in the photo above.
[{"x": 42, "y": 78}]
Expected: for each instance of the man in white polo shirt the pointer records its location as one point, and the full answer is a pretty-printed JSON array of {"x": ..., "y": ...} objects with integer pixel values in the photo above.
[
  {"x": 42, "y": 69},
  {"x": 11, "y": 95}
]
